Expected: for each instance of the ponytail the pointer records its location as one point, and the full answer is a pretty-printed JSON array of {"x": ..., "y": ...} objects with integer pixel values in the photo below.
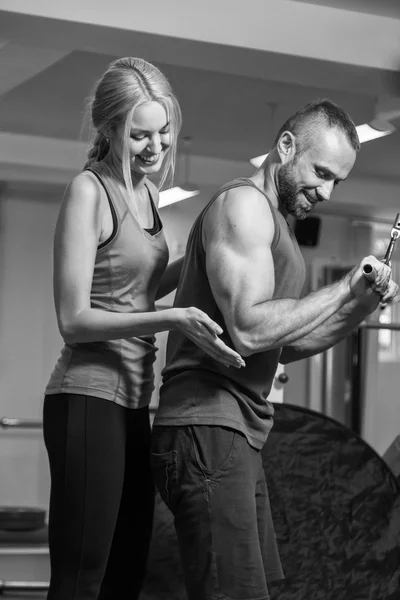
[{"x": 99, "y": 149}]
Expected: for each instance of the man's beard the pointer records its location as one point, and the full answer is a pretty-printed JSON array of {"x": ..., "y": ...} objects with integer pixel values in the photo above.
[{"x": 288, "y": 192}]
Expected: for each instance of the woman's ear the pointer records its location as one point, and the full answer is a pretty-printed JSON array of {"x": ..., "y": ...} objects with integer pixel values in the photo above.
[{"x": 110, "y": 129}]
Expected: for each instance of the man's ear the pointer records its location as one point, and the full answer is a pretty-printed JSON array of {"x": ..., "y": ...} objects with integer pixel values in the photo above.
[{"x": 286, "y": 146}]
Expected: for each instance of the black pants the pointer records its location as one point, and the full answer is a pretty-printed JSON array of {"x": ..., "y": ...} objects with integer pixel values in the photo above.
[
  {"x": 213, "y": 482},
  {"x": 102, "y": 497}
]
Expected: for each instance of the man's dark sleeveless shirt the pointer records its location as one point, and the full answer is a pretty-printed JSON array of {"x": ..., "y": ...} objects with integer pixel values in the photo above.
[{"x": 198, "y": 390}]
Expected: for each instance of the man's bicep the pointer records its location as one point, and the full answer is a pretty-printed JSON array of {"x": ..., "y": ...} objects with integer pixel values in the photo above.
[{"x": 241, "y": 275}]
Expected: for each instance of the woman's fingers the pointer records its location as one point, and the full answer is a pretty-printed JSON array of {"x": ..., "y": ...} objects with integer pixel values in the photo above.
[
  {"x": 204, "y": 320},
  {"x": 228, "y": 354},
  {"x": 217, "y": 349},
  {"x": 205, "y": 332},
  {"x": 223, "y": 351},
  {"x": 211, "y": 325},
  {"x": 218, "y": 358}
]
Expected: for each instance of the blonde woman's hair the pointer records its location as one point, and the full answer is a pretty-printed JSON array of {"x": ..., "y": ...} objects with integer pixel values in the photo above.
[{"x": 128, "y": 83}]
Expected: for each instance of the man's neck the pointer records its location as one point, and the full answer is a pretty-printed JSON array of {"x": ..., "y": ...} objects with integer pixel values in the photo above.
[{"x": 265, "y": 178}]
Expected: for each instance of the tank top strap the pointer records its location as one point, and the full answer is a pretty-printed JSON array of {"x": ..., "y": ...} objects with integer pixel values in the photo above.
[
  {"x": 115, "y": 194},
  {"x": 277, "y": 217}
]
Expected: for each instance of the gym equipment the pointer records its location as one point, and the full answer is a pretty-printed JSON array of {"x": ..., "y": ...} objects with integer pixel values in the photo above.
[
  {"x": 21, "y": 518},
  {"x": 368, "y": 269},
  {"x": 22, "y": 525},
  {"x": 22, "y": 586},
  {"x": 9, "y": 422}
]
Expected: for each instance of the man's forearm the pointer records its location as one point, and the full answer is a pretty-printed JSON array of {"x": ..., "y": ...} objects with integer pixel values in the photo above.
[
  {"x": 330, "y": 332},
  {"x": 280, "y": 323}
]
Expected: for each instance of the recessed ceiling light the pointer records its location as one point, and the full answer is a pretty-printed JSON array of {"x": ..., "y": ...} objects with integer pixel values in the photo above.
[
  {"x": 374, "y": 130},
  {"x": 175, "y": 194}
]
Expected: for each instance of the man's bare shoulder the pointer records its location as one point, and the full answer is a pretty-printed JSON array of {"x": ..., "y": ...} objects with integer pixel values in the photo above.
[{"x": 244, "y": 208}]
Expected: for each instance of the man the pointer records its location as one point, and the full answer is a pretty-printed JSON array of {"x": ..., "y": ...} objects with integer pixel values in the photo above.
[{"x": 243, "y": 267}]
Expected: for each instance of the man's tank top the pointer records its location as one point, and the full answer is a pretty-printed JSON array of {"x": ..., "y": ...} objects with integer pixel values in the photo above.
[
  {"x": 127, "y": 271},
  {"x": 198, "y": 390}
]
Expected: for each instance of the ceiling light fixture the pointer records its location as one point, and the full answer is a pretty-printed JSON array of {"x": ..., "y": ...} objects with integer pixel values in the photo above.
[
  {"x": 179, "y": 193},
  {"x": 374, "y": 130},
  {"x": 175, "y": 194},
  {"x": 367, "y": 132}
]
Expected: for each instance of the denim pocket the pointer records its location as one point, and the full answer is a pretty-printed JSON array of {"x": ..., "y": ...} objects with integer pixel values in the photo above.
[
  {"x": 164, "y": 467},
  {"x": 213, "y": 448}
]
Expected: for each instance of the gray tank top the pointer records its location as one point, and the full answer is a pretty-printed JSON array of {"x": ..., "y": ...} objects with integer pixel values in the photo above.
[
  {"x": 127, "y": 271},
  {"x": 198, "y": 390}
]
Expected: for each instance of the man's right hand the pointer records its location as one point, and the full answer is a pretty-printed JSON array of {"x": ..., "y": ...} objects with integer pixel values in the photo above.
[{"x": 376, "y": 287}]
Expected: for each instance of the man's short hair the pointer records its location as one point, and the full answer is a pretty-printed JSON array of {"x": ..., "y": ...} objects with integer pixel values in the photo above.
[{"x": 318, "y": 114}]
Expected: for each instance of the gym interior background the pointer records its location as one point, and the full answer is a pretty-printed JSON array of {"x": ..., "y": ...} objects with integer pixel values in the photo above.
[{"x": 239, "y": 70}]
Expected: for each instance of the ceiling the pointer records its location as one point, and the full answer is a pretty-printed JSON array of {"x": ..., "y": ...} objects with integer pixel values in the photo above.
[
  {"x": 233, "y": 99},
  {"x": 386, "y": 8},
  {"x": 228, "y": 116}
]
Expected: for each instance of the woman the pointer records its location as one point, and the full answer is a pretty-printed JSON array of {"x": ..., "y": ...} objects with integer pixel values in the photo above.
[{"x": 110, "y": 265}]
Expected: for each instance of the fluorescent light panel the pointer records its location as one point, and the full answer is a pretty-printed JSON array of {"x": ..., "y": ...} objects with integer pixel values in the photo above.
[
  {"x": 366, "y": 133},
  {"x": 175, "y": 194}
]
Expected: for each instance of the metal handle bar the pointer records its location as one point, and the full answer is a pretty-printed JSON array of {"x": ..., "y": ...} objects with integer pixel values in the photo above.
[
  {"x": 9, "y": 422},
  {"x": 23, "y": 586}
]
